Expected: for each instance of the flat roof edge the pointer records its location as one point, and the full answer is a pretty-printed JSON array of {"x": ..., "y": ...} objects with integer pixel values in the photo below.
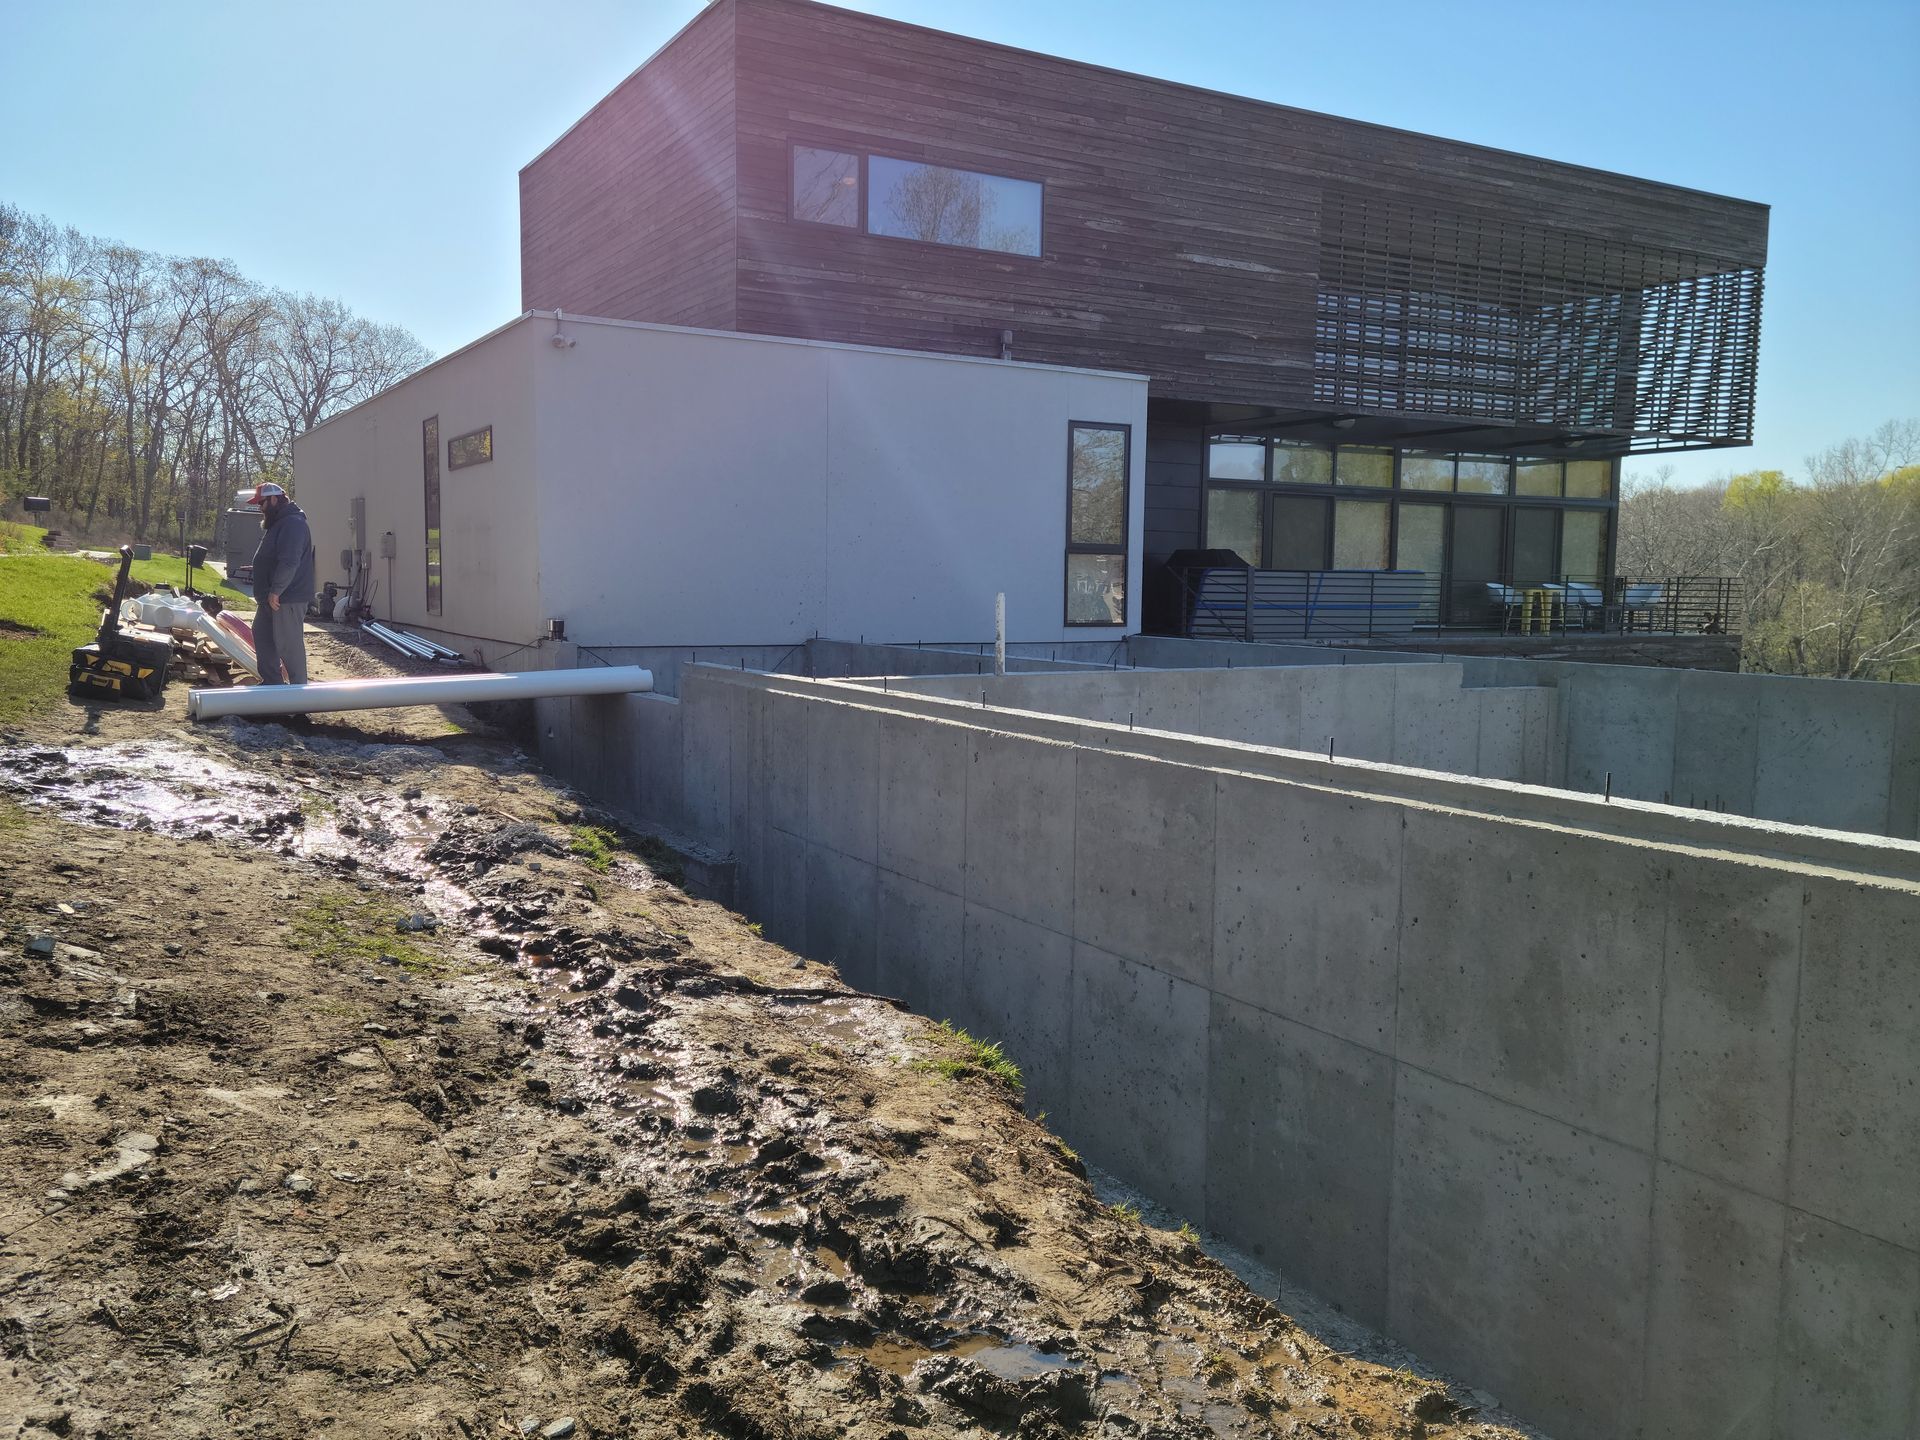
[
  {"x": 1252, "y": 99},
  {"x": 801, "y": 340},
  {"x": 565, "y": 318}
]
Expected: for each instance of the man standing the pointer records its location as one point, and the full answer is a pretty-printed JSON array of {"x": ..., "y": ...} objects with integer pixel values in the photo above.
[{"x": 282, "y": 586}]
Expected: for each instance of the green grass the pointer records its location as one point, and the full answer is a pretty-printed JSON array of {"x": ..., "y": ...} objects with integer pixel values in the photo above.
[
  {"x": 19, "y": 539},
  {"x": 979, "y": 1057},
  {"x": 598, "y": 846},
  {"x": 1125, "y": 1214},
  {"x": 341, "y": 928},
  {"x": 47, "y": 607},
  {"x": 1187, "y": 1233},
  {"x": 164, "y": 569}
]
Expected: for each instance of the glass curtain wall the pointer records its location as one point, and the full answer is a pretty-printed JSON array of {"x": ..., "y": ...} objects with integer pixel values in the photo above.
[{"x": 1510, "y": 521}]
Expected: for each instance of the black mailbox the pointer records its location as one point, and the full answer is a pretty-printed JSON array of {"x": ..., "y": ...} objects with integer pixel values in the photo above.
[{"x": 37, "y": 504}]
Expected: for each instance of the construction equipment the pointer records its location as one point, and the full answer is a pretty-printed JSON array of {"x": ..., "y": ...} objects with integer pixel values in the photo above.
[{"x": 119, "y": 665}]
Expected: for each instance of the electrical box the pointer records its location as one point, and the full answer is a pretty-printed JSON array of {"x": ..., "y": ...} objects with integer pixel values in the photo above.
[
  {"x": 346, "y": 561},
  {"x": 388, "y": 547}
]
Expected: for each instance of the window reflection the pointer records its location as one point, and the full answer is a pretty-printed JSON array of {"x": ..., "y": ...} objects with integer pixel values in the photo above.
[
  {"x": 430, "y": 485},
  {"x": 826, "y": 186},
  {"x": 1482, "y": 476},
  {"x": 1096, "y": 589},
  {"x": 1233, "y": 523},
  {"x": 952, "y": 207},
  {"x": 1296, "y": 464},
  {"x": 1099, "y": 499},
  {"x": 1372, "y": 468},
  {"x": 1236, "y": 460},
  {"x": 1537, "y": 477},
  {"x": 1589, "y": 479},
  {"x": 1426, "y": 472},
  {"x": 1360, "y": 535},
  {"x": 1097, "y": 464}
]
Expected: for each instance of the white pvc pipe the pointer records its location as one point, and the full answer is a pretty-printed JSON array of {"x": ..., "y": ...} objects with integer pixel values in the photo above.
[{"x": 431, "y": 690}]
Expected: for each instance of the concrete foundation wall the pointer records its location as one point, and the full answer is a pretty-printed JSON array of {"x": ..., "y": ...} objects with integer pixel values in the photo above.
[
  {"x": 1417, "y": 715},
  {"x": 1612, "y": 1108},
  {"x": 1841, "y": 754}
]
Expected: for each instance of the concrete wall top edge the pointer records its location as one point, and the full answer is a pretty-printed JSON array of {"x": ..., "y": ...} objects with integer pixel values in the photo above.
[{"x": 1841, "y": 854}]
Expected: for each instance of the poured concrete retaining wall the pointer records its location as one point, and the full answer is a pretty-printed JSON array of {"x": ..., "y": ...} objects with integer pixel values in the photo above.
[
  {"x": 1416, "y": 715},
  {"x": 1614, "y": 1109},
  {"x": 1838, "y": 753}
]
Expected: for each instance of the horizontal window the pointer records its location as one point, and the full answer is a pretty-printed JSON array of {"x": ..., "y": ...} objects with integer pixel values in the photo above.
[
  {"x": 1296, "y": 464},
  {"x": 1372, "y": 468},
  {"x": 1426, "y": 472},
  {"x": 1589, "y": 479},
  {"x": 1537, "y": 477},
  {"x": 911, "y": 200},
  {"x": 473, "y": 448},
  {"x": 952, "y": 207},
  {"x": 1237, "y": 460}
]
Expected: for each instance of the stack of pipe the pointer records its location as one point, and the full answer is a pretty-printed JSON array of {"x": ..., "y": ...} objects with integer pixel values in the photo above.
[{"x": 415, "y": 647}]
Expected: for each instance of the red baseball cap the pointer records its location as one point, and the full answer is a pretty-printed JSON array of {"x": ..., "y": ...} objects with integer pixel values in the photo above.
[{"x": 267, "y": 491}]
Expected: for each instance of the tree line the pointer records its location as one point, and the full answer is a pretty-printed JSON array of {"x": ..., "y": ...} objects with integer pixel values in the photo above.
[
  {"x": 1829, "y": 559},
  {"x": 139, "y": 392}
]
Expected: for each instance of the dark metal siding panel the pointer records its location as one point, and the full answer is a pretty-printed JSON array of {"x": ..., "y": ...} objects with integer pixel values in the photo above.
[
  {"x": 1175, "y": 459},
  {"x": 1183, "y": 228},
  {"x": 631, "y": 214}
]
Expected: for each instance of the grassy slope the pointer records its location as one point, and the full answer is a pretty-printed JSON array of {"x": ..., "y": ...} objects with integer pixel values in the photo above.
[{"x": 46, "y": 608}]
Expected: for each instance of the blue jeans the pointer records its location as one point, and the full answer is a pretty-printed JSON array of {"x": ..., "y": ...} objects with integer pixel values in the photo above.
[{"x": 280, "y": 638}]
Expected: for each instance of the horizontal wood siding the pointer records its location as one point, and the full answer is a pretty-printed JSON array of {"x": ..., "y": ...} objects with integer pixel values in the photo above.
[
  {"x": 630, "y": 214},
  {"x": 1182, "y": 227}
]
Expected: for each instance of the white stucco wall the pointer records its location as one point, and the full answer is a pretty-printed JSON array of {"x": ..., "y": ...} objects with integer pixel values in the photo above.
[
  {"x": 713, "y": 489},
  {"x": 488, "y": 513},
  {"x": 659, "y": 486}
]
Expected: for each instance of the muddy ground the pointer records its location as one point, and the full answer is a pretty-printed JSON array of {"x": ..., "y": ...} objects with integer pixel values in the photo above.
[{"x": 356, "y": 1089}]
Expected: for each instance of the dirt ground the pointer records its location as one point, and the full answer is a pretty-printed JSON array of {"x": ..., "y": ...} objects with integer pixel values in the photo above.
[{"x": 356, "y": 1089}]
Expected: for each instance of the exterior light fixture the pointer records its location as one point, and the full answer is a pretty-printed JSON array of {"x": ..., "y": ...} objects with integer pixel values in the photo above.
[{"x": 1344, "y": 422}]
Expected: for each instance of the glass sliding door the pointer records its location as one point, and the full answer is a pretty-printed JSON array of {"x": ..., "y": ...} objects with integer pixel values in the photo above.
[
  {"x": 1473, "y": 562},
  {"x": 1536, "y": 532},
  {"x": 1423, "y": 547}
]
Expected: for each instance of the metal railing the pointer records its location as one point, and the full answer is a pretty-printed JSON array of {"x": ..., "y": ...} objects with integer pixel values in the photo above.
[{"x": 1237, "y": 602}]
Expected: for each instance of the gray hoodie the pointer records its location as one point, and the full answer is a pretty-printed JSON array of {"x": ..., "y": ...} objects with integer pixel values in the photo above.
[{"x": 283, "y": 565}]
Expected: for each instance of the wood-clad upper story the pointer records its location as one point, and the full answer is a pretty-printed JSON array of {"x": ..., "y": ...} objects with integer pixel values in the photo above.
[{"x": 1254, "y": 260}]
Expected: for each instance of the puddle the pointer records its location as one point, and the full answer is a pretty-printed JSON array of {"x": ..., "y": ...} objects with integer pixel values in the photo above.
[
  {"x": 155, "y": 785},
  {"x": 167, "y": 787},
  {"x": 1007, "y": 1359},
  {"x": 858, "y": 1027}
]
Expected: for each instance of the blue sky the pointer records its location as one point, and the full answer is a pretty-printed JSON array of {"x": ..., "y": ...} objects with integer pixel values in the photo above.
[{"x": 369, "y": 150}]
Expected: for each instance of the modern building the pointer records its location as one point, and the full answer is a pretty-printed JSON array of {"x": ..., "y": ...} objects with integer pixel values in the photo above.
[
  {"x": 1394, "y": 375},
  {"x": 1367, "y": 349},
  {"x": 1558, "y": 1018}
]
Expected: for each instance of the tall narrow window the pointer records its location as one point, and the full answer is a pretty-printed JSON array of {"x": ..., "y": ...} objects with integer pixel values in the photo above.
[
  {"x": 430, "y": 473},
  {"x": 1098, "y": 459}
]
